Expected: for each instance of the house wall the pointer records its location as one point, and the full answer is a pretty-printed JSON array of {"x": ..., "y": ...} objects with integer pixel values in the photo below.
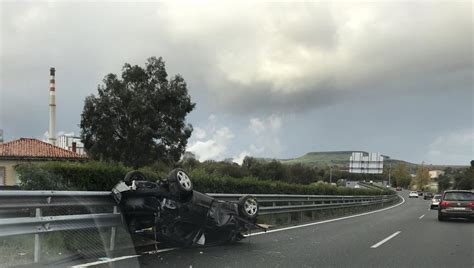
[{"x": 10, "y": 175}]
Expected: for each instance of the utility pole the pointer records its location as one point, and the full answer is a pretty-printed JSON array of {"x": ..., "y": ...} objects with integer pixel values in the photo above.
[
  {"x": 330, "y": 174},
  {"x": 389, "y": 171}
]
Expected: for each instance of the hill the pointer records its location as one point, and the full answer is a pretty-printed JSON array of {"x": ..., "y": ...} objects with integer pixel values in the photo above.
[
  {"x": 335, "y": 158},
  {"x": 340, "y": 158}
]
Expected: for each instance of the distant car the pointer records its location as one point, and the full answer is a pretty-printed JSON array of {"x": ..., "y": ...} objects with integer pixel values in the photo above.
[
  {"x": 420, "y": 192},
  {"x": 435, "y": 201},
  {"x": 413, "y": 194},
  {"x": 399, "y": 188},
  {"x": 456, "y": 204},
  {"x": 428, "y": 195}
]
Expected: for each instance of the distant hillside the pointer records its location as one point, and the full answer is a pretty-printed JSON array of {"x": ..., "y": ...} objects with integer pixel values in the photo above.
[
  {"x": 321, "y": 158},
  {"x": 336, "y": 158},
  {"x": 341, "y": 159}
]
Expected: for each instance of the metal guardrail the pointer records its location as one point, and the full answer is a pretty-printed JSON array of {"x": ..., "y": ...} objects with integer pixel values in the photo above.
[{"x": 11, "y": 201}]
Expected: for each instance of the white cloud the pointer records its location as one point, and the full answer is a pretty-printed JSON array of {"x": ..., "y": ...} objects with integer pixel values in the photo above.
[
  {"x": 207, "y": 150},
  {"x": 199, "y": 133},
  {"x": 453, "y": 148},
  {"x": 275, "y": 122},
  {"x": 266, "y": 140},
  {"x": 256, "y": 126},
  {"x": 213, "y": 148},
  {"x": 240, "y": 158}
]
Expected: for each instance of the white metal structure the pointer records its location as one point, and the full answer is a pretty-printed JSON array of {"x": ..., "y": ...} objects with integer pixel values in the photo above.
[
  {"x": 67, "y": 142},
  {"x": 367, "y": 163},
  {"x": 52, "y": 107}
]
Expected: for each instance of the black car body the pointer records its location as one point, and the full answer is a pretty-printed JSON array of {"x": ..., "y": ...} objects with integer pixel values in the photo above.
[
  {"x": 456, "y": 204},
  {"x": 172, "y": 212},
  {"x": 427, "y": 195}
]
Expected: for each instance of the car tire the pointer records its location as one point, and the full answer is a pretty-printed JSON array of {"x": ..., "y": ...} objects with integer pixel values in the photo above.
[
  {"x": 441, "y": 217},
  {"x": 431, "y": 207},
  {"x": 132, "y": 176},
  {"x": 248, "y": 207},
  {"x": 180, "y": 184}
]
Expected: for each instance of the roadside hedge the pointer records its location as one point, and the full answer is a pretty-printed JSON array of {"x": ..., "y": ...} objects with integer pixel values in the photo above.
[
  {"x": 88, "y": 176},
  {"x": 101, "y": 176}
]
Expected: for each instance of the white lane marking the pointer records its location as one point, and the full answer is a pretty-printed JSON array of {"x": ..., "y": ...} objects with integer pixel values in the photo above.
[
  {"x": 123, "y": 258},
  {"x": 105, "y": 261},
  {"x": 385, "y": 240},
  {"x": 326, "y": 221},
  {"x": 421, "y": 217},
  {"x": 158, "y": 251}
]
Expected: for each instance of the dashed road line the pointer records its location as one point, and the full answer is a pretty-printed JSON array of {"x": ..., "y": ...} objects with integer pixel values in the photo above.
[{"x": 385, "y": 240}]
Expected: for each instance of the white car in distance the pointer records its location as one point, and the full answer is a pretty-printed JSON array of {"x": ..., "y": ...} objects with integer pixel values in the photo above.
[{"x": 413, "y": 194}]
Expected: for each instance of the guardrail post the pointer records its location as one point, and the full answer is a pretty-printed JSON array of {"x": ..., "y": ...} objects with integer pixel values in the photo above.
[
  {"x": 37, "y": 250},
  {"x": 113, "y": 232}
]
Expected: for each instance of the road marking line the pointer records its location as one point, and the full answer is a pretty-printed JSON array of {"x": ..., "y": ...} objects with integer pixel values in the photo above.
[
  {"x": 105, "y": 261},
  {"x": 421, "y": 217},
  {"x": 158, "y": 251},
  {"x": 386, "y": 239},
  {"x": 326, "y": 221},
  {"x": 123, "y": 258}
]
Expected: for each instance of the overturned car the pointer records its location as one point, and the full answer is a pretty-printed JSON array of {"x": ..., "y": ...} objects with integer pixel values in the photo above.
[{"x": 172, "y": 212}]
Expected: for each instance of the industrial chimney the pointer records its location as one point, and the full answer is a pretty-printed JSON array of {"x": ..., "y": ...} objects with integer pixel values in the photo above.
[{"x": 52, "y": 107}]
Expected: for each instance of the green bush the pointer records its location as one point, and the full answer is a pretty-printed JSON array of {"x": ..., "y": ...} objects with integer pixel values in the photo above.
[
  {"x": 88, "y": 176},
  {"x": 214, "y": 183},
  {"x": 100, "y": 176}
]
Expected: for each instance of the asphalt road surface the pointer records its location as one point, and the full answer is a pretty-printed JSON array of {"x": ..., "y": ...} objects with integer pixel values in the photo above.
[{"x": 408, "y": 235}]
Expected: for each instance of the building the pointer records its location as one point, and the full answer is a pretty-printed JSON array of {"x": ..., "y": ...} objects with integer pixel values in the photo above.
[
  {"x": 25, "y": 150},
  {"x": 434, "y": 174},
  {"x": 71, "y": 143},
  {"x": 366, "y": 163}
]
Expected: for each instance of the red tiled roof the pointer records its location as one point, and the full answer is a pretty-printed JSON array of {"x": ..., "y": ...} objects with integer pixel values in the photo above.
[{"x": 33, "y": 148}]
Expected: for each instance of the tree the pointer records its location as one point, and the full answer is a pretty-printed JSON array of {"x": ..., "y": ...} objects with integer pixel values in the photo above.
[
  {"x": 139, "y": 118},
  {"x": 444, "y": 183},
  {"x": 422, "y": 177},
  {"x": 274, "y": 170},
  {"x": 401, "y": 176},
  {"x": 465, "y": 180}
]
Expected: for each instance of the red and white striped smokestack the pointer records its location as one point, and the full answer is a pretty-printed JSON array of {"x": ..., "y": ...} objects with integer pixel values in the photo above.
[{"x": 52, "y": 107}]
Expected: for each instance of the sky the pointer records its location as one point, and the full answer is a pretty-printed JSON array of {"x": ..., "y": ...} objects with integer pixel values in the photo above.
[{"x": 269, "y": 79}]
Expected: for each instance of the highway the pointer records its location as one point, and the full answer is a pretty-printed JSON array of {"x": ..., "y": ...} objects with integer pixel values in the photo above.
[{"x": 408, "y": 235}]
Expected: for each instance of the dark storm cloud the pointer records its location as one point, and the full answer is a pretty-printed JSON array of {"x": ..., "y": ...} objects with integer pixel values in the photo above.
[{"x": 240, "y": 59}]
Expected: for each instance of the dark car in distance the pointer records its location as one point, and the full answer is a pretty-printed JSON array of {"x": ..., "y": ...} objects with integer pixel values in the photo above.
[
  {"x": 428, "y": 195},
  {"x": 456, "y": 204}
]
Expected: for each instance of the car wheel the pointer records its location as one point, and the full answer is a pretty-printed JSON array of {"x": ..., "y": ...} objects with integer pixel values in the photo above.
[
  {"x": 431, "y": 207},
  {"x": 134, "y": 176},
  {"x": 441, "y": 217},
  {"x": 248, "y": 207},
  {"x": 179, "y": 182}
]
